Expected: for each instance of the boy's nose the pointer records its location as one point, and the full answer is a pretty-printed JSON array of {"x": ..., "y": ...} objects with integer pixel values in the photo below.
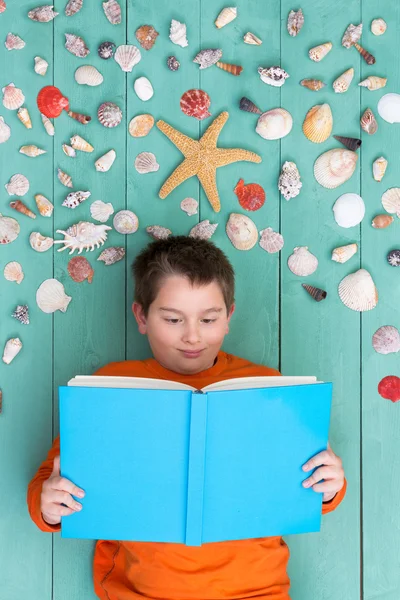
[{"x": 191, "y": 334}]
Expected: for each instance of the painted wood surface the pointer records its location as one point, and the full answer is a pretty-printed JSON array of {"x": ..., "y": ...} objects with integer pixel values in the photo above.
[{"x": 276, "y": 322}]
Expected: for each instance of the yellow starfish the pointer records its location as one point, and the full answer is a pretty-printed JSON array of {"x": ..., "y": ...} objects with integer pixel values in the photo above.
[{"x": 202, "y": 158}]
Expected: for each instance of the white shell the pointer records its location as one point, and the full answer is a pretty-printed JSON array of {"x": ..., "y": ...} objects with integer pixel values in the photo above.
[
  {"x": 105, "y": 162},
  {"x": 127, "y": 56},
  {"x": 250, "y": 38},
  {"x": 41, "y": 66},
  {"x": 391, "y": 201},
  {"x": 18, "y": 185},
  {"x": 69, "y": 150},
  {"x": 386, "y": 340},
  {"x": 44, "y": 205},
  {"x": 271, "y": 240},
  {"x": 373, "y": 82},
  {"x": 146, "y": 162},
  {"x": 349, "y": 210},
  {"x": 101, "y": 211},
  {"x": 78, "y": 143},
  {"x": 302, "y": 262},
  {"x": 13, "y": 272},
  {"x": 51, "y": 296},
  {"x": 319, "y": 52},
  {"x": 227, "y": 15},
  {"x": 289, "y": 183},
  {"x": 177, "y": 33},
  {"x": 158, "y": 232},
  {"x": 125, "y": 221},
  {"x": 189, "y": 206},
  {"x": 274, "y": 124},
  {"x": 13, "y": 97},
  {"x": 24, "y": 116},
  {"x": 9, "y": 229},
  {"x": 378, "y": 26},
  {"x": 88, "y": 75},
  {"x": 40, "y": 242},
  {"x": 48, "y": 125},
  {"x": 203, "y": 230},
  {"x": 14, "y": 42},
  {"x": 143, "y": 88},
  {"x": 343, "y": 253},
  {"x": 389, "y": 108},
  {"x": 275, "y": 76},
  {"x": 379, "y": 167},
  {"x": 357, "y": 291},
  {"x": 83, "y": 236},
  {"x": 11, "y": 349},
  {"x": 342, "y": 83},
  {"x": 74, "y": 199},
  {"x": 5, "y": 131},
  {"x": 241, "y": 231},
  {"x": 334, "y": 167}
]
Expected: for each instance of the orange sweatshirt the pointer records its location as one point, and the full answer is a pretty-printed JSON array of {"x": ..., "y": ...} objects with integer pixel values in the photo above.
[{"x": 165, "y": 571}]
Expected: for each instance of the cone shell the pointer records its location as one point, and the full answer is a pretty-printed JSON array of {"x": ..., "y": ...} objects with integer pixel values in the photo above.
[
  {"x": 88, "y": 75},
  {"x": 313, "y": 84},
  {"x": 43, "y": 14},
  {"x": 249, "y": 106},
  {"x": 72, "y": 7},
  {"x": 195, "y": 103},
  {"x": 76, "y": 45},
  {"x": 350, "y": 143},
  {"x": 317, "y": 126},
  {"x": 11, "y": 349},
  {"x": 389, "y": 108},
  {"x": 18, "y": 185},
  {"x": 386, "y": 340},
  {"x": 250, "y": 38},
  {"x": 101, "y": 211},
  {"x": 349, "y": 210},
  {"x": 382, "y": 221},
  {"x": 127, "y": 57},
  {"x": 79, "y": 269},
  {"x": 177, "y": 33},
  {"x": 373, "y": 83},
  {"x": 274, "y": 124},
  {"x": 391, "y": 201},
  {"x": 112, "y": 10},
  {"x": 357, "y": 291},
  {"x": 227, "y": 15},
  {"x": 378, "y": 26},
  {"x": 229, "y": 68},
  {"x": 189, "y": 206},
  {"x": 14, "y": 42},
  {"x": 19, "y": 206},
  {"x": 31, "y": 151},
  {"x": 379, "y": 167},
  {"x": 295, "y": 22},
  {"x": 241, "y": 231},
  {"x": 5, "y": 131},
  {"x": 78, "y": 143},
  {"x": 13, "y": 272},
  {"x": 141, "y": 125},
  {"x": 334, "y": 167},
  {"x": 146, "y": 35},
  {"x": 158, "y": 232},
  {"x": 112, "y": 255},
  {"x": 319, "y": 52},
  {"x": 44, "y": 205},
  {"x": 48, "y": 125},
  {"x": 125, "y": 221},
  {"x": 315, "y": 292},
  {"x": 105, "y": 162},
  {"x": 9, "y": 229},
  {"x": 143, "y": 88},
  {"x": 13, "y": 97},
  {"x": 51, "y": 296},
  {"x": 302, "y": 262},
  {"x": 40, "y": 242},
  {"x": 203, "y": 230},
  {"x": 342, "y": 83},
  {"x": 109, "y": 114},
  {"x": 344, "y": 253},
  {"x": 64, "y": 178},
  {"x": 368, "y": 122},
  {"x": 24, "y": 117},
  {"x": 271, "y": 240},
  {"x": 146, "y": 162}
]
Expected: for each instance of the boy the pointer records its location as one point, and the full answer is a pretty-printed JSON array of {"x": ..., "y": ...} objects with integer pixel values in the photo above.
[{"x": 184, "y": 300}]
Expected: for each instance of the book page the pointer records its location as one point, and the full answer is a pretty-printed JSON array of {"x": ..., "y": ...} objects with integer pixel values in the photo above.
[
  {"x": 240, "y": 383},
  {"x": 104, "y": 381}
]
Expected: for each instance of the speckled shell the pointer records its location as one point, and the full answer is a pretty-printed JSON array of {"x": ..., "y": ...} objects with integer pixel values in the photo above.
[
  {"x": 76, "y": 45},
  {"x": 11, "y": 349},
  {"x": 352, "y": 35},
  {"x": 78, "y": 143},
  {"x": 14, "y": 42},
  {"x": 43, "y": 14},
  {"x": 146, "y": 35},
  {"x": 343, "y": 253},
  {"x": 227, "y": 15},
  {"x": 141, "y": 125},
  {"x": 274, "y": 124},
  {"x": 289, "y": 183},
  {"x": 203, "y": 230},
  {"x": 51, "y": 296},
  {"x": 317, "y": 126},
  {"x": 274, "y": 76},
  {"x": 391, "y": 201},
  {"x": 40, "y": 242},
  {"x": 319, "y": 52},
  {"x": 83, "y": 236},
  {"x": 302, "y": 262},
  {"x": 146, "y": 162},
  {"x": 112, "y": 10},
  {"x": 158, "y": 232},
  {"x": 112, "y": 255},
  {"x": 207, "y": 58},
  {"x": 143, "y": 88},
  {"x": 349, "y": 210},
  {"x": 31, "y": 151},
  {"x": 13, "y": 97},
  {"x": 13, "y": 272},
  {"x": 105, "y": 162},
  {"x": 18, "y": 185},
  {"x": 177, "y": 33},
  {"x": 368, "y": 122},
  {"x": 241, "y": 231},
  {"x": 393, "y": 257},
  {"x": 386, "y": 340},
  {"x": 109, "y": 114},
  {"x": 88, "y": 75},
  {"x": 357, "y": 291},
  {"x": 106, "y": 50},
  {"x": 173, "y": 63},
  {"x": 373, "y": 82},
  {"x": 295, "y": 22},
  {"x": 101, "y": 211},
  {"x": 382, "y": 221},
  {"x": 5, "y": 131},
  {"x": 79, "y": 269},
  {"x": 24, "y": 116},
  {"x": 251, "y": 38},
  {"x": 127, "y": 56},
  {"x": 9, "y": 229},
  {"x": 334, "y": 167},
  {"x": 72, "y": 7},
  {"x": 378, "y": 26},
  {"x": 342, "y": 83},
  {"x": 189, "y": 206},
  {"x": 125, "y": 222},
  {"x": 75, "y": 198},
  {"x": 271, "y": 240},
  {"x": 44, "y": 205},
  {"x": 64, "y": 178},
  {"x": 389, "y": 108},
  {"x": 195, "y": 103},
  {"x": 379, "y": 167}
]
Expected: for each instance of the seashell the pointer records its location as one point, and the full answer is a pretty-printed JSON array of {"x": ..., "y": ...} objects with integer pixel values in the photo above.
[
  {"x": 88, "y": 75},
  {"x": 241, "y": 231},
  {"x": 391, "y": 201},
  {"x": 143, "y": 88},
  {"x": 302, "y": 262},
  {"x": 274, "y": 124},
  {"x": 203, "y": 230},
  {"x": 101, "y": 211},
  {"x": 382, "y": 221},
  {"x": 21, "y": 313},
  {"x": 14, "y": 42},
  {"x": 11, "y": 349},
  {"x": 127, "y": 57},
  {"x": 9, "y": 229},
  {"x": 39, "y": 242},
  {"x": 350, "y": 143},
  {"x": 232, "y": 69},
  {"x": 44, "y": 205},
  {"x": 393, "y": 258},
  {"x": 357, "y": 291},
  {"x": 109, "y": 114},
  {"x": 18, "y": 185},
  {"x": 173, "y": 63},
  {"x": 389, "y": 388},
  {"x": 5, "y": 131},
  {"x": 68, "y": 150},
  {"x": 31, "y": 151},
  {"x": 378, "y": 26},
  {"x": 13, "y": 97},
  {"x": 83, "y": 235},
  {"x": 342, "y": 83},
  {"x": 317, "y": 126},
  {"x": 207, "y": 58},
  {"x": 2, "y": 9},
  {"x": 389, "y": 108},
  {"x": 313, "y": 84},
  {"x": 158, "y": 232},
  {"x": 270, "y": 240},
  {"x": 76, "y": 45},
  {"x": 177, "y": 33},
  {"x": 386, "y": 340},
  {"x": 369, "y": 59},
  {"x": 250, "y": 196},
  {"x": 189, "y": 206},
  {"x": 379, "y": 167},
  {"x": 314, "y": 292},
  {"x": 43, "y": 14},
  {"x": 105, "y": 162},
  {"x": 78, "y": 143},
  {"x": 13, "y": 272},
  {"x": 125, "y": 221},
  {"x": 75, "y": 198},
  {"x": 351, "y": 35},
  {"x": 319, "y": 52},
  {"x": 368, "y": 122},
  {"x": 334, "y": 167},
  {"x": 195, "y": 103},
  {"x": 250, "y": 38},
  {"x": 289, "y": 183},
  {"x": 141, "y": 125},
  {"x": 349, "y": 210},
  {"x": 295, "y": 22},
  {"x": 146, "y": 35},
  {"x": 249, "y": 106},
  {"x": 73, "y": 6},
  {"x": 51, "y": 102},
  {"x": 274, "y": 76},
  {"x": 19, "y": 206},
  {"x": 79, "y": 269},
  {"x": 51, "y": 296},
  {"x": 112, "y": 255},
  {"x": 48, "y": 125},
  {"x": 112, "y": 10},
  {"x": 344, "y": 253},
  {"x": 106, "y": 50},
  {"x": 24, "y": 116},
  {"x": 64, "y": 178},
  {"x": 146, "y": 162},
  {"x": 227, "y": 15},
  {"x": 84, "y": 119},
  {"x": 373, "y": 83}
]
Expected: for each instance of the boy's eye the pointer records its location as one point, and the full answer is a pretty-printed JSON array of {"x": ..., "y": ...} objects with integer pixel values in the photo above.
[{"x": 207, "y": 321}]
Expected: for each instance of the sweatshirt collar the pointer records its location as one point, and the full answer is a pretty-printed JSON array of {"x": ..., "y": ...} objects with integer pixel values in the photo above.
[{"x": 164, "y": 373}]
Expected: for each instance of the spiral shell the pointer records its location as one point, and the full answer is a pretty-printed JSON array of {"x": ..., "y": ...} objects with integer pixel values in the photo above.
[
  {"x": 302, "y": 262},
  {"x": 316, "y": 293},
  {"x": 352, "y": 35},
  {"x": 357, "y": 291},
  {"x": 39, "y": 242},
  {"x": 177, "y": 33},
  {"x": 317, "y": 126},
  {"x": 31, "y": 151},
  {"x": 13, "y": 97},
  {"x": 21, "y": 313},
  {"x": 83, "y": 235},
  {"x": 386, "y": 340},
  {"x": 44, "y": 205},
  {"x": 24, "y": 116},
  {"x": 241, "y": 231},
  {"x": 69, "y": 150},
  {"x": 350, "y": 143},
  {"x": 229, "y": 68},
  {"x": 106, "y": 50},
  {"x": 75, "y": 198},
  {"x": 101, "y": 211},
  {"x": 78, "y": 143},
  {"x": 373, "y": 82},
  {"x": 270, "y": 240},
  {"x": 173, "y": 63},
  {"x": 146, "y": 162},
  {"x": 334, "y": 167},
  {"x": 141, "y": 125},
  {"x": 19, "y": 206},
  {"x": 249, "y": 106},
  {"x": 51, "y": 296},
  {"x": 88, "y": 75},
  {"x": 18, "y": 185},
  {"x": 13, "y": 272},
  {"x": 125, "y": 222},
  {"x": 48, "y": 125},
  {"x": 143, "y": 88},
  {"x": 109, "y": 114},
  {"x": 127, "y": 56},
  {"x": 227, "y": 15},
  {"x": 274, "y": 76},
  {"x": 64, "y": 178},
  {"x": 207, "y": 58},
  {"x": 11, "y": 349}
]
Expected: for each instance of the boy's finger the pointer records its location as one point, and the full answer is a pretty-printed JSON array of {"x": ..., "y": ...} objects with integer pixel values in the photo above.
[
  {"x": 326, "y": 486},
  {"x": 56, "y": 466},
  {"x": 64, "y": 485},
  {"x": 59, "y": 498},
  {"x": 60, "y": 511},
  {"x": 321, "y": 473},
  {"x": 323, "y": 458}
]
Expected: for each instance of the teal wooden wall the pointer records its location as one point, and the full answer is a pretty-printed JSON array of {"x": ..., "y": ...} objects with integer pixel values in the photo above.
[{"x": 276, "y": 322}]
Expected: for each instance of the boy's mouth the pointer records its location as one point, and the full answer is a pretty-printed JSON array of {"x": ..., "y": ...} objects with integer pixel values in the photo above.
[{"x": 191, "y": 352}]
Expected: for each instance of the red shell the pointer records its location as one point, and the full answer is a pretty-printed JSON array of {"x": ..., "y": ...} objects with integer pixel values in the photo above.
[
  {"x": 195, "y": 103},
  {"x": 51, "y": 102},
  {"x": 80, "y": 269},
  {"x": 389, "y": 388},
  {"x": 250, "y": 196}
]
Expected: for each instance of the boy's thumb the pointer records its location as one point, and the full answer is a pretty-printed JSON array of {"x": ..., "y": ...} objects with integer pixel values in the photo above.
[{"x": 56, "y": 465}]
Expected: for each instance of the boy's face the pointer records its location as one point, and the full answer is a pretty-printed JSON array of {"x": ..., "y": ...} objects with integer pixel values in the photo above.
[{"x": 186, "y": 324}]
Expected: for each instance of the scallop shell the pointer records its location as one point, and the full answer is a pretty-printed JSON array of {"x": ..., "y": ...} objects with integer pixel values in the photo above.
[
  {"x": 11, "y": 349},
  {"x": 189, "y": 206},
  {"x": 349, "y": 210},
  {"x": 141, "y": 125},
  {"x": 40, "y": 242},
  {"x": 19, "y": 206},
  {"x": 289, "y": 183},
  {"x": 227, "y": 15},
  {"x": 24, "y": 116},
  {"x": 76, "y": 45},
  {"x": 368, "y": 122},
  {"x": 143, "y": 88},
  {"x": 146, "y": 35},
  {"x": 274, "y": 124},
  {"x": 64, "y": 178},
  {"x": 21, "y": 313},
  {"x": 69, "y": 150},
  {"x": 78, "y": 143},
  {"x": 344, "y": 253},
  {"x": 342, "y": 83},
  {"x": 391, "y": 201},
  {"x": 73, "y": 6},
  {"x": 43, "y": 14},
  {"x": 250, "y": 38},
  {"x": 389, "y": 388},
  {"x": 378, "y": 26},
  {"x": 18, "y": 185},
  {"x": 313, "y": 84},
  {"x": 75, "y": 198},
  {"x": 241, "y": 231},
  {"x": 357, "y": 291},
  {"x": 9, "y": 229},
  {"x": 88, "y": 75},
  {"x": 302, "y": 262},
  {"x": 379, "y": 167},
  {"x": 51, "y": 296},
  {"x": 270, "y": 240},
  {"x": 41, "y": 66},
  {"x": 112, "y": 10},
  {"x": 393, "y": 258},
  {"x": 177, "y": 33},
  {"x": 44, "y": 205},
  {"x": 13, "y": 272},
  {"x": 3, "y": 7},
  {"x": 14, "y": 42},
  {"x": 101, "y": 211},
  {"x": 31, "y": 151},
  {"x": 125, "y": 221},
  {"x": 79, "y": 269},
  {"x": 373, "y": 82},
  {"x": 317, "y": 126},
  {"x": 146, "y": 162},
  {"x": 48, "y": 125},
  {"x": 334, "y": 167},
  {"x": 105, "y": 162},
  {"x": 127, "y": 57},
  {"x": 295, "y": 22},
  {"x": 112, "y": 255},
  {"x": 5, "y": 131},
  {"x": 314, "y": 292},
  {"x": 203, "y": 230},
  {"x": 352, "y": 35},
  {"x": 195, "y": 103},
  {"x": 13, "y": 97},
  {"x": 386, "y": 340},
  {"x": 350, "y": 143},
  {"x": 83, "y": 235},
  {"x": 207, "y": 58},
  {"x": 109, "y": 114},
  {"x": 382, "y": 221},
  {"x": 158, "y": 232},
  {"x": 106, "y": 50},
  {"x": 389, "y": 108},
  {"x": 319, "y": 52},
  {"x": 173, "y": 63},
  {"x": 251, "y": 196},
  {"x": 274, "y": 76}
]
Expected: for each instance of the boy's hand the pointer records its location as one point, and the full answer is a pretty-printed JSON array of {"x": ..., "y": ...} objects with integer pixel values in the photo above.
[
  {"x": 56, "y": 500},
  {"x": 330, "y": 469}
]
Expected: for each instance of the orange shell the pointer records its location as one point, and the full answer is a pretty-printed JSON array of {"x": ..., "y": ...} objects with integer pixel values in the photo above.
[
  {"x": 250, "y": 196},
  {"x": 195, "y": 103},
  {"x": 51, "y": 102},
  {"x": 80, "y": 269}
]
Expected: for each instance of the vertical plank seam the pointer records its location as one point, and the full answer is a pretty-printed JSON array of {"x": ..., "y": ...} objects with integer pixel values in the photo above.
[
  {"x": 199, "y": 124},
  {"x": 279, "y": 302},
  {"x": 127, "y": 270},
  {"x": 52, "y": 322},
  {"x": 361, "y": 354}
]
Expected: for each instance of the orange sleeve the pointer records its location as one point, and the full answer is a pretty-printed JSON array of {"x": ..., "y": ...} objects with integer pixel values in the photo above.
[{"x": 328, "y": 507}]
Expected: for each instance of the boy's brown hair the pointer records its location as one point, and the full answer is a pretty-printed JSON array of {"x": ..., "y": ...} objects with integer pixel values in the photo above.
[{"x": 198, "y": 260}]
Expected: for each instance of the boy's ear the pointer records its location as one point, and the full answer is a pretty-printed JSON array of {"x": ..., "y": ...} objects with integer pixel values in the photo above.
[
  {"x": 230, "y": 313},
  {"x": 140, "y": 317}
]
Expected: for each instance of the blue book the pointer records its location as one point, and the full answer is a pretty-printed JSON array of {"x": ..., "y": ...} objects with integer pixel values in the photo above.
[{"x": 163, "y": 462}]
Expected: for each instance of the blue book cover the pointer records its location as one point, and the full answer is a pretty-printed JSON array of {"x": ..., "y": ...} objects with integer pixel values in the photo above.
[{"x": 191, "y": 467}]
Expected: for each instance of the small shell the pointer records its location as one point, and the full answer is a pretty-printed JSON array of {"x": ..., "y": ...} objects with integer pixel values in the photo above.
[
  {"x": 391, "y": 201},
  {"x": 83, "y": 236},
  {"x": 146, "y": 162},
  {"x": 106, "y": 50},
  {"x": 350, "y": 143},
  {"x": 314, "y": 292},
  {"x": 19, "y": 206},
  {"x": 24, "y": 116},
  {"x": 378, "y": 26},
  {"x": 249, "y": 106},
  {"x": 13, "y": 97},
  {"x": 75, "y": 198},
  {"x": 31, "y": 151},
  {"x": 5, "y": 131},
  {"x": 349, "y": 210},
  {"x": 274, "y": 76},
  {"x": 3, "y": 7},
  {"x": 313, "y": 84},
  {"x": 250, "y": 38},
  {"x": 101, "y": 211},
  {"x": 241, "y": 231},
  {"x": 229, "y": 68},
  {"x": 319, "y": 52},
  {"x": 177, "y": 33},
  {"x": 109, "y": 114},
  {"x": 11, "y": 349},
  {"x": 317, "y": 126},
  {"x": 76, "y": 45},
  {"x": 386, "y": 340},
  {"x": 105, "y": 162},
  {"x": 173, "y": 63},
  {"x": 9, "y": 229},
  {"x": 373, "y": 83},
  {"x": 44, "y": 205},
  {"x": 250, "y": 196},
  {"x": 379, "y": 167},
  {"x": 69, "y": 150},
  {"x": 72, "y": 7},
  {"x": 112, "y": 255},
  {"x": 368, "y": 122},
  {"x": 393, "y": 258},
  {"x": 43, "y": 14},
  {"x": 13, "y": 272},
  {"x": 352, "y": 35},
  {"x": 40, "y": 242},
  {"x": 357, "y": 291},
  {"x": 270, "y": 240},
  {"x": 51, "y": 296},
  {"x": 382, "y": 221},
  {"x": 143, "y": 88},
  {"x": 295, "y": 22},
  {"x": 334, "y": 167},
  {"x": 79, "y": 269},
  {"x": 88, "y": 75},
  {"x": 78, "y": 143},
  {"x": 274, "y": 124},
  {"x": 203, "y": 230},
  {"x": 18, "y": 185},
  {"x": 389, "y": 388},
  {"x": 14, "y": 42},
  {"x": 195, "y": 103},
  {"x": 112, "y": 10},
  {"x": 207, "y": 58},
  {"x": 21, "y": 313},
  {"x": 127, "y": 57},
  {"x": 64, "y": 178},
  {"x": 158, "y": 232},
  {"x": 344, "y": 253},
  {"x": 289, "y": 183},
  {"x": 141, "y": 125},
  {"x": 125, "y": 221},
  {"x": 342, "y": 83},
  {"x": 189, "y": 206},
  {"x": 227, "y": 15},
  {"x": 389, "y": 108},
  {"x": 302, "y": 262},
  {"x": 48, "y": 125},
  {"x": 146, "y": 35}
]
